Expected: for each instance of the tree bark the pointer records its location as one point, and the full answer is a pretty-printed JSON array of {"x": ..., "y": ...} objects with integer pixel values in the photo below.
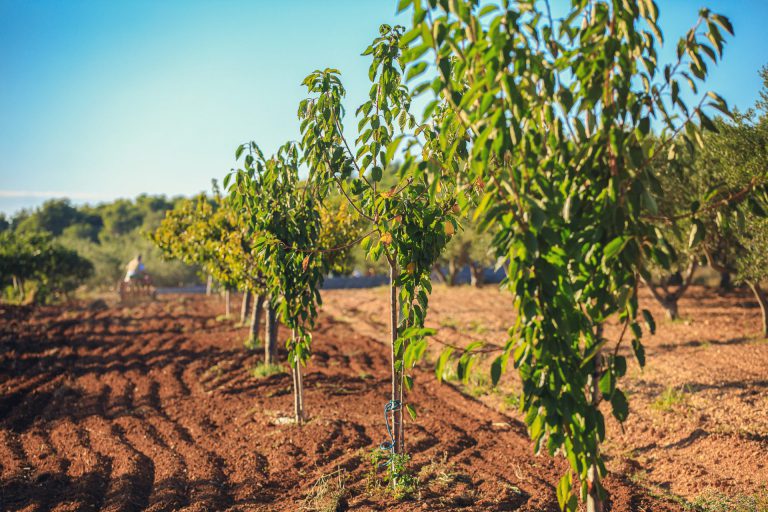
[
  {"x": 209, "y": 285},
  {"x": 298, "y": 389},
  {"x": 669, "y": 300},
  {"x": 594, "y": 495},
  {"x": 270, "y": 335},
  {"x": 477, "y": 274},
  {"x": 244, "y": 306},
  {"x": 397, "y": 374},
  {"x": 762, "y": 299},
  {"x": 453, "y": 272},
  {"x": 256, "y": 311},
  {"x": 726, "y": 284},
  {"x": 440, "y": 274},
  {"x": 227, "y": 303}
]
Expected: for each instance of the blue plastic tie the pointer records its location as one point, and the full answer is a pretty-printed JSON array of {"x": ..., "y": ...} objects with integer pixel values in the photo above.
[{"x": 392, "y": 406}]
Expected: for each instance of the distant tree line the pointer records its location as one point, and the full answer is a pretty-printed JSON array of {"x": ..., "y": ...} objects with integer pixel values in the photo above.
[{"x": 49, "y": 251}]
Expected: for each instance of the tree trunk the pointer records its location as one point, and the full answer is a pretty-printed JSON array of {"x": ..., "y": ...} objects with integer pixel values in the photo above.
[
  {"x": 244, "y": 306},
  {"x": 298, "y": 389},
  {"x": 594, "y": 494},
  {"x": 594, "y": 502},
  {"x": 209, "y": 285},
  {"x": 440, "y": 274},
  {"x": 397, "y": 374},
  {"x": 670, "y": 307},
  {"x": 256, "y": 311},
  {"x": 270, "y": 335},
  {"x": 763, "y": 301},
  {"x": 477, "y": 274},
  {"x": 227, "y": 303},
  {"x": 726, "y": 284},
  {"x": 453, "y": 272}
]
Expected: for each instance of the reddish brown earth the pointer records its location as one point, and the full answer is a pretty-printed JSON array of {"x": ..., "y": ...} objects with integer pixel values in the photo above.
[
  {"x": 153, "y": 407},
  {"x": 698, "y": 426}
]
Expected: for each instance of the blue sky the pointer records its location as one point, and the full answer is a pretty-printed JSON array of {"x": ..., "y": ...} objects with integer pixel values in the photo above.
[{"x": 102, "y": 99}]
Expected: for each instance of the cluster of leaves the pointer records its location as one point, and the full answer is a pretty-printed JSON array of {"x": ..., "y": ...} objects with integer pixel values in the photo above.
[
  {"x": 469, "y": 247},
  {"x": 283, "y": 217},
  {"x": 209, "y": 233},
  {"x": 715, "y": 199},
  {"x": 35, "y": 257},
  {"x": 559, "y": 115}
]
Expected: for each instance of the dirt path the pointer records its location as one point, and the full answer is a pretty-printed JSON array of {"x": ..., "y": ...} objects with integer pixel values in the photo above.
[{"x": 154, "y": 408}]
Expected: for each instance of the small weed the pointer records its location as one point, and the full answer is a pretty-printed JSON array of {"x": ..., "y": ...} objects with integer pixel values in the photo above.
[
  {"x": 511, "y": 401},
  {"x": 669, "y": 398},
  {"x": 224, "y": 318},
  {"x": 252, "y": 343},
  {"x": 479, "y": 384},
  {"x": 394, "y": 478},
  {"x": 329, "y": 494},
  {"x": 262, "y": 370},
  {"x": 449, "y": 323},
  {"x": 215, "y": 370},
  {"x": 439, "y": 473},
  {"x": 715, "y": 501},
  {"x": 477, "y": 327}
]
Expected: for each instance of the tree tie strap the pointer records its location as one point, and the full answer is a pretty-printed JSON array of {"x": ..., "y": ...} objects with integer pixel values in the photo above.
[{"x": 389, "y": 446}]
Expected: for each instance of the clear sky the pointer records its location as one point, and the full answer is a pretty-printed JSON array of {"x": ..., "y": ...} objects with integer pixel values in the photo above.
[{"x": 111, "y": 98}]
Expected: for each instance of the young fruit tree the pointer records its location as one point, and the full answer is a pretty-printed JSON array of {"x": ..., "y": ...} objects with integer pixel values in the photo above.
[
  {"x": 560, "y": 115},
  {"x": 283, "y": 215},
  {"x": 208, "y": 232},
  {"x": 409, "y": 223}
]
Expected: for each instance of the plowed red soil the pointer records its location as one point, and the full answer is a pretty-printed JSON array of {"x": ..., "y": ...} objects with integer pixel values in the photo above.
[{"x": 153, "y": 407}]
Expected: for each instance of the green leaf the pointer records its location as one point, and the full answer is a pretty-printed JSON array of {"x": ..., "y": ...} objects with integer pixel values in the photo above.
[
  {"x": 697, "y": 233},
  {"x": 496, "y": 370},
  {"x": 620, "y": 405},
  {"x": 441, "y": 362},
  {"x": 411, "y": 411},
  {"x": 649, "y": 321},
  {"x": 614, "y": 247},
  {"x": 639, "y": 350},
  {"x": 564, "y": 490}
]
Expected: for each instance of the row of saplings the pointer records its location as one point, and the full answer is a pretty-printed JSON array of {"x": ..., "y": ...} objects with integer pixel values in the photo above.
[{"x": 543, "y": 129}]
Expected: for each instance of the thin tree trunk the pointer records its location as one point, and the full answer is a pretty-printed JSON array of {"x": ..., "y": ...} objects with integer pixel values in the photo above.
[
  {"x": 295, "y": 377},
  {"x": 453, "y": 272},
  {"x": 227, "y": 303},
  {"x": 763, "y": 301},
  {"x": 270, "y": 335},
  {"x": 594, "y": 498},
  {"x": 440, "y": 274},
  {"x": 298, "y": 390},
  {"x": 244, "y": 306},
  {"x": 256, "y": 310},
  {"x": 477, "y": 274},
  {"x": 209, "y": 285},
  {"x": 397, "y": 374}
]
